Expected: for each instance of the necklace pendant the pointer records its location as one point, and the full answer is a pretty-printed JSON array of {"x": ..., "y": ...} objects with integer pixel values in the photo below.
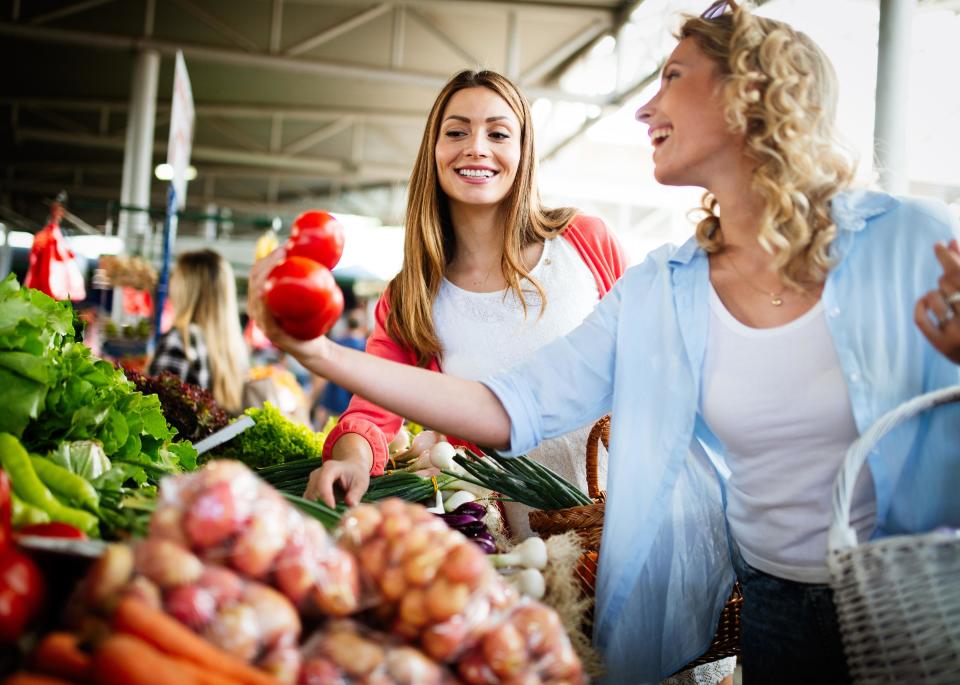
[{"x": 775, "y": 300}]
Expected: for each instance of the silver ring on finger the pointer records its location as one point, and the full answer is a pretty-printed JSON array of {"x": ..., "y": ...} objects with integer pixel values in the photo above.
[{"x": 952, "y": 299}]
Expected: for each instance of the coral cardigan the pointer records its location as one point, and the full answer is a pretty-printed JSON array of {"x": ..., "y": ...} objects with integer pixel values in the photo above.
[{"x": 598, "y": 248}]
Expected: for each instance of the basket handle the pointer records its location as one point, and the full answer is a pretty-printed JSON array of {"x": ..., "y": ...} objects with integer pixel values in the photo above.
[
  {"x": 599, "y": 432},
  {"x": 841, "y": 535}
]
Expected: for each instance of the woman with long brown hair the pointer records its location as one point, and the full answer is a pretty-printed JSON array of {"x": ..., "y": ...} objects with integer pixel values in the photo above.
[
  {"x": 737, "y": 367},
  {"x": 204, "y": 346},
  {"x": 489, "y": 274}
]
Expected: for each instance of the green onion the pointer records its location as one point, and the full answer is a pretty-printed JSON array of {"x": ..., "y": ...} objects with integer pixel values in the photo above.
[
  {"x": 318, "y": 510},
  {"x": 291, "y": 469},
  {"x": 407, "y": 486},
  {"x": 522, "y": 480}
]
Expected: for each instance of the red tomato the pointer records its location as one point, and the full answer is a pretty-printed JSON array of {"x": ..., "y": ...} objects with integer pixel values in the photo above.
[
  {"x": 21, "y": 594},
  {"x": 54, "y": 529},
  {"x": 303, "y": 296},
  {"x": 318, "y": 236}
]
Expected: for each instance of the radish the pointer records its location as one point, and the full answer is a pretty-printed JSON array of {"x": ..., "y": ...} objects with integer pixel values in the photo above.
[
  {"x": 458, "y": 499},
  {"x": 400, "y": 443}
]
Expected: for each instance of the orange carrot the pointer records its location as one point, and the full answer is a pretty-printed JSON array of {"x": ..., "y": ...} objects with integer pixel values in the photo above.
[
  {"x": 59, "y": 654},
  {"x": 127, "y": 660},
  {"x": 172, "y": 637},
  {"x": 34, "y": 679},
  {"x": 205, "y": 676}
]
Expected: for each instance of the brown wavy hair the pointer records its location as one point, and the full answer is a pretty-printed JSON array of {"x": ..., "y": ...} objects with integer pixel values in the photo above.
[
  {"x": 780, "y": 90},
  {"x": 429, "y": 242}
]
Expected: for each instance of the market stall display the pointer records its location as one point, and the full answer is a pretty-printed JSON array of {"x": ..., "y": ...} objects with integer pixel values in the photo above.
[
  {"x": 223, "y": 574},
  {"x": 80, "y": 443}
]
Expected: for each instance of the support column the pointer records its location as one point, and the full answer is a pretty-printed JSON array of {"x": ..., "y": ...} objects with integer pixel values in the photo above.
[
  {"x": 138, "y": 154},
  {"x": 6, "y": 254},
  {"x": 893, "y": 68},
  {"x": 210, "y": 222},
  {"x": 512, "y": 61}
]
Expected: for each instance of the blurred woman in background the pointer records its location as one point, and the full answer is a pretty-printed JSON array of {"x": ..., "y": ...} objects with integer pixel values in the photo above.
[{"x": 205, "y": 346}]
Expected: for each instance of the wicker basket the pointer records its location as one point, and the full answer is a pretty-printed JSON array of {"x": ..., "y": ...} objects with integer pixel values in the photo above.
[
  {"x": 898, "y": 599},
  {"x": 587, "y": 521}
]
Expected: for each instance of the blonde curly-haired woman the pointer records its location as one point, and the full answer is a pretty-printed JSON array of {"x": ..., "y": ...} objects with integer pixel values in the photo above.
[{"x": 738, "y": 368}]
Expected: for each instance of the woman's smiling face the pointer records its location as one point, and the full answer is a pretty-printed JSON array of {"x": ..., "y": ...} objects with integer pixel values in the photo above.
[
  {"x": 478, "y": 150},
  {"x": 691, "y": 139}
]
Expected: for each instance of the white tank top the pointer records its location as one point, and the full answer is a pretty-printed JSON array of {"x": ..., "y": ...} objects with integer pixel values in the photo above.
[
  {"x": 777, "y": 400},
  {"x": 485, "y": 333}
]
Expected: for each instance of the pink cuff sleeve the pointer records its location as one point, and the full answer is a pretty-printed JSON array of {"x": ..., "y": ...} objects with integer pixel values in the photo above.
[{"x": 367, "y": 430}]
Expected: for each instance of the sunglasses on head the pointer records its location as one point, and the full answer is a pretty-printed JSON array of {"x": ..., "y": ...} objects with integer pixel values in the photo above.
[{"x": 718, "y": 8}]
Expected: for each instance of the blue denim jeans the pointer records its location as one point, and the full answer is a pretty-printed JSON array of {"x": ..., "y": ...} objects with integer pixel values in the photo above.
[{"x": 789, "y": 631}]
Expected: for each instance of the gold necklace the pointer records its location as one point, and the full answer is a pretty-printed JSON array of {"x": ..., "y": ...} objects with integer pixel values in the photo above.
[{"x": 776, "y": 298}]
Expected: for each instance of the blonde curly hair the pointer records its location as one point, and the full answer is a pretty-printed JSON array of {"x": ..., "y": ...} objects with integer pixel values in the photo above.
[{"x": 780, "y": 90}]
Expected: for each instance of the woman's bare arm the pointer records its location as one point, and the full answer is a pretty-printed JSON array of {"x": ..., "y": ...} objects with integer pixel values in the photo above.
[{"x": 467, "y": 409}]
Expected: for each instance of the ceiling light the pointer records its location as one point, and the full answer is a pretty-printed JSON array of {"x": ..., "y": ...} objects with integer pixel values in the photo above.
[{"x": 165, "y": 172}]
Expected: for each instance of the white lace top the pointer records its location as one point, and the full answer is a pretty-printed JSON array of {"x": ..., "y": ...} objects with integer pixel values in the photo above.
[{"x": 485, "y": 333}]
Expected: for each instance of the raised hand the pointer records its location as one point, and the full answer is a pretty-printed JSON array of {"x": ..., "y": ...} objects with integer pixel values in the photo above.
[{"x": 938, "y": 312}]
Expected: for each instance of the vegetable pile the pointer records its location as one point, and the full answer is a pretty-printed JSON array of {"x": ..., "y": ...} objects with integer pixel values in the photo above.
[
  {"x": 245, "y": 618},
  {"x": 190, "y": 409},
  {"x": 225, "y": 514},
  {"x": 347, "y": 653},
  {"x": 274, "y": 439},
  {"x": 230, "y": 574},
  {"x": 67, "y": 408}
]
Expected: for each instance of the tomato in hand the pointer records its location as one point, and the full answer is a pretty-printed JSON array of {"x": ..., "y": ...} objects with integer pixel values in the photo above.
[
  {"x": 318, "y": 236},
  {"x": 303, "y": 297}
]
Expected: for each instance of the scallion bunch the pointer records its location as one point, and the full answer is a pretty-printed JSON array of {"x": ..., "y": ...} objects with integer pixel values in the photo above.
[{"x": 521, "y": 479}]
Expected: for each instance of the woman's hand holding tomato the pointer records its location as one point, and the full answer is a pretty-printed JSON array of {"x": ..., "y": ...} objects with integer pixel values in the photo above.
[
  {"x": 257, "y": 306},
  {"x": 301, "y": 297},
  {"x": 318, "y": 236}
]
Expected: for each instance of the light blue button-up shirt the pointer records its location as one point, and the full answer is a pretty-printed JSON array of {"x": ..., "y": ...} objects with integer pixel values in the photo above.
[{"x": 665, "y": 569}]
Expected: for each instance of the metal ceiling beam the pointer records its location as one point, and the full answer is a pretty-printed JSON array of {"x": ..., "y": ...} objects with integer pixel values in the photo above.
[
  {"x": 218, "y": 25},
  {"x": 207, "y": 170},
  {"x": 616, "y": 100},
  {"x": 321, "y": 166},
  {"x": 318, "y": 136},
  {"x": 565, "y": 52},
  {"x": 398, "y": 36},
  {"x": 232, "y": 110},
  {"x": 69, "y": 10},
  {"x": 529, "y": 7},
  {"x": 440, "y": 35},
  {"x": 149, "y": 17},
  {"x": 276, "y": 26},
  {"x": 276, "y": 132},
  {"x": 583, "y": 43},
  {"x": 512, "y": 59},
  {"x": 338, "y": 30},
  {"x": 241, "y": 138},
  {"x": 195, "y": 198},
  {"x": 219, "y": 55}
]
